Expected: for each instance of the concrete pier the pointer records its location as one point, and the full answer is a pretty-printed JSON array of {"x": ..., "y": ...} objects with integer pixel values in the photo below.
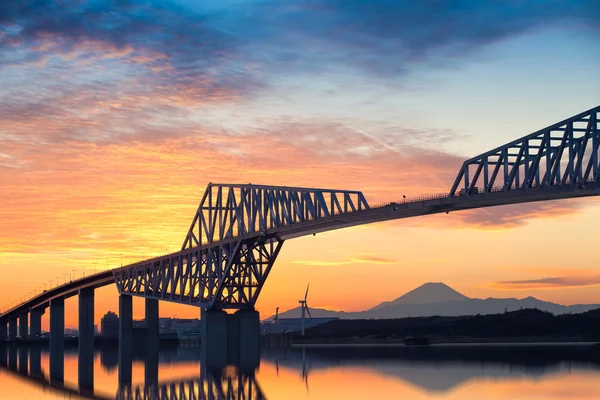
[
  {"x": 23, "y": 325},
  {"x": 248, "y": 339},
  {"x": 35, "y": 322},
  {"x": 152, "y": 344},
  {"x": 12, "y": 329},
  {"x": 125, "y": 340},
  {"x": 214, "y": 337},
  {"x": 57, "y": 339},
  {"x": 230, "y": 338},
  {"x": 85, "y": 351}
]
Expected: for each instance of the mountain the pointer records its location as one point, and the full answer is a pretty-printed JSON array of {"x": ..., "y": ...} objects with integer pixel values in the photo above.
[
  {"x": 439, "y": 299},
  {"x": 428, "y": 293}
]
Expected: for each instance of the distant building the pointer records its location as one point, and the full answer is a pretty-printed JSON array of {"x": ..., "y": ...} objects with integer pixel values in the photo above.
[
  {"x": 109, "y": 324},
  {"x": 292, "y": 324},
  {"x": 71, "y": 332},
  {"x": 185, "y": 325}
]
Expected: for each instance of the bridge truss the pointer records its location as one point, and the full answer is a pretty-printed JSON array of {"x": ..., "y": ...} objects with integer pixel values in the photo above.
[
  {"x": 232, "y": 244},
  {"x": 238, "y": 230},
  {"x": 228, "y": 211},
  {"x": 565, "y": 153}
]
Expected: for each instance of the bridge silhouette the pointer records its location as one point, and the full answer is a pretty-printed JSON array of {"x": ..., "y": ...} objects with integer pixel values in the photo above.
[{"x": 239, "y": 229}]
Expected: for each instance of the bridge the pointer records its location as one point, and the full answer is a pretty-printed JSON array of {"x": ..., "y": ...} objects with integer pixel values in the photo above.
[{"x": 238, "y": 231}]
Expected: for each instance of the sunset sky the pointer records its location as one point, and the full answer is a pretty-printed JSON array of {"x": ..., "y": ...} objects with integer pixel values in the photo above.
[{"x": 115, "y": 115}]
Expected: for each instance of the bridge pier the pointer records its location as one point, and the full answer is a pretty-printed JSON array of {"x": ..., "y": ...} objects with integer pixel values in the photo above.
[
  {"x": 125, "y": 339},
  {"x": 35, "y": 322},
  {"x": 57, "y": 339},
  {"x": 3, "y": 331},
  {"x": 249, "y": 339},
  {"x": 12, "y": 328},
  {"x": 152, "y": 343},
  {"x": 23, "y": 325},
  {"x": 214, "y": 337},
  {"x": 230, "y": 338},
  {"x": 85, "y": 350}
]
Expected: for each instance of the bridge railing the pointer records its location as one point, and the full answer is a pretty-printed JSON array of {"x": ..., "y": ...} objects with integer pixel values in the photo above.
[{"x": 495, "y": 189}]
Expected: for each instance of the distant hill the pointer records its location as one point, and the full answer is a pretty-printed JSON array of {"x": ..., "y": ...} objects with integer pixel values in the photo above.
[
  {"x": 519, "y": 324},
  {"x": 439, "y": 299}
]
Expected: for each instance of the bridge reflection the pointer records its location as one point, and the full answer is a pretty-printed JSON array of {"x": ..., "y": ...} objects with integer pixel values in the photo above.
[
  {"x": 212, "y": 385},
  {"x": 23, "y": 362}
]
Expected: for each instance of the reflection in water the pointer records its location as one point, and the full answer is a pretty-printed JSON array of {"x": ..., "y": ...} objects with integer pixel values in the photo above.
[
  {"x": 441, "y": 369},
  {"x": 212, "y": 385},
  {"x": 294, "y": 373}
]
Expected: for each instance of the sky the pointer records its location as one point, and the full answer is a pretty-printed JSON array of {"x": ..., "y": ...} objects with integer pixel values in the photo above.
[{"x": 115, "y": 115}]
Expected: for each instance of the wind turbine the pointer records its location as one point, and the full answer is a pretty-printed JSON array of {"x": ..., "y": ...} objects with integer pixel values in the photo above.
[{"x": 304, "y": 307}]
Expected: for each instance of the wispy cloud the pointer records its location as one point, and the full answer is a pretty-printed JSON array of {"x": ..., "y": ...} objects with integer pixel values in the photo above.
[
  {"x": 358, "y": 259},
  {"x": 548, "y": 283}
]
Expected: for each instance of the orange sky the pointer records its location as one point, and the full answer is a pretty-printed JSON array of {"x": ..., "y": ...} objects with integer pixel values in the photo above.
[
  {"x": 107, "y": 141},
  {"x": 82, "y": 206}
]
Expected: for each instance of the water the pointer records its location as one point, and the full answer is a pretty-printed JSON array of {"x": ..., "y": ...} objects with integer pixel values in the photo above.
[{"x": 528, "y": 373}]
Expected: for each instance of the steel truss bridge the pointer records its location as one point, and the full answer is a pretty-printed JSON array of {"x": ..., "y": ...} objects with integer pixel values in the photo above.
[{"x": 238, "y": 230}]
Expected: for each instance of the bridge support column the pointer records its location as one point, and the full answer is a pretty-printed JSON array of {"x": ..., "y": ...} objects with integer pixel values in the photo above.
[
  {"x": 231, "y": 338},
  {"x": 125, "y": 339},
  {"x": 152, "y": 344},
  {"x": 214, "y": 337},
  {"x": 35, "y": 322},
  {"x": 3, "y": 331},
  {"x": 85, "y": 349},
  {"x": 249, "y": 339},
  {"x": 12, "y": 329},
  {"x": 57, "y": 339},
  {"x": 23, "y": 325}
]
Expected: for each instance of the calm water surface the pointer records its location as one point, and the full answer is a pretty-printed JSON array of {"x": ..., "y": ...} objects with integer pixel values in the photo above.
[{"x": 329, "y": 373}]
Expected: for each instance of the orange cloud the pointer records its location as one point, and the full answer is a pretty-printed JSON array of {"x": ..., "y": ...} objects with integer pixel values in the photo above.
[
  {"x": 360, "y": 259},
  {"x": 548, "y": 283}
]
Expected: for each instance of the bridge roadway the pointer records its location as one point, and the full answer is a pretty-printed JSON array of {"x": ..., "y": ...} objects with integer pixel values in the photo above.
[{"x": 384, "y": 212}]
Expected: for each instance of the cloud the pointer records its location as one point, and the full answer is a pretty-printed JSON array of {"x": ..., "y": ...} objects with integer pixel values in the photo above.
[
  {"x": 384, "y": 37},
  {"x": 548, "y": 283},
  {"x": 358, "y": 259},
  {"x": 513, "y": 216},
  {"x": 372, "y": 259},
  {"x": 240, "y": 46}
]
